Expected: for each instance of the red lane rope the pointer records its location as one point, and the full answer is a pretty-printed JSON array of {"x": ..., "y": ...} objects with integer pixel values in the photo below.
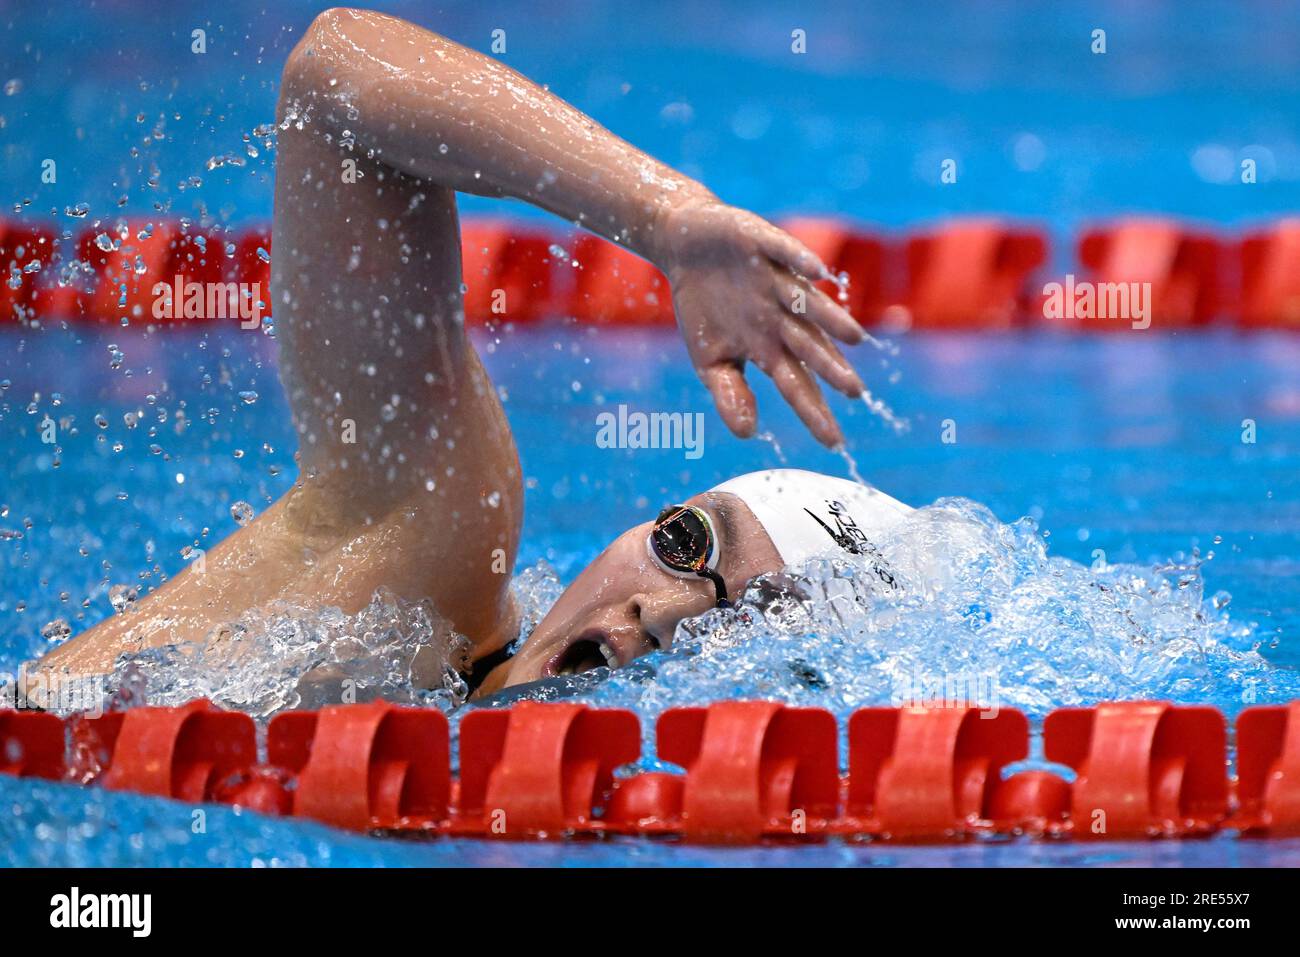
[
  {"x": 962, "y": 274},
  {"x": 751, "y": 770}
]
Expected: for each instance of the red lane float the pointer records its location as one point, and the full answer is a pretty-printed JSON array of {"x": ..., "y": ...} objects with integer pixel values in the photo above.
[
  {"x": 26, "y": 258},
  {"x": 616, "y": 287},
  {"x": 130, "y": 259},
  {"x": 251, "y": 265},
  {"x": 365, "y": 766},
  {"x": 127, "y": 261},
  {"x": 1181, "y": 267},
  {"x": 122, "y": 264},
  {"x": 1146, "y": 768},
  {"x": 933, "y": 773},
  {"x": 508, "y": 271},
  {"x": 850, "y": 252},
  {"x": 539, "y": 769},
  {"x": 962, "y": 274},
  {"x": 751, "y": 770},
  {"x": 1270, "y": 277},
  {"x": 972, "y": 274},
  {"x": 180, "y": 753},
  {"x": 1268, "y": 769},
  {"x": 31, "y": 745}
]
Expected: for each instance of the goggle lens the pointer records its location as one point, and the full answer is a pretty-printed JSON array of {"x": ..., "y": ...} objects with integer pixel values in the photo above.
[{"x": 682, "y": 538}]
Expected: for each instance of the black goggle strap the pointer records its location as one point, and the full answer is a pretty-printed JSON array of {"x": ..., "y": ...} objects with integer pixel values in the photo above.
[{"x": 719, "y": 585}]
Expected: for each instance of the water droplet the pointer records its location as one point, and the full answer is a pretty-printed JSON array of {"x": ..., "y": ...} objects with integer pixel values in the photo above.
[
  {"x": 242, "y": 513},
  {"x": 56, "y": 630},
  {"x": 120, "y": 596}
]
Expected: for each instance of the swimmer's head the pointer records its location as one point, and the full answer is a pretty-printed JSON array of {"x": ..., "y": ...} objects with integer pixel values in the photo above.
[{"x": 628, "y": 602}]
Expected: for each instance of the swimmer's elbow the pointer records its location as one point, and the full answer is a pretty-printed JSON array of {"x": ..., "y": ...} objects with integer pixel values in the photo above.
[
  {"x": 347, "y": 58},
  {"x": 331, "y": 17},
  {"x": 342, "y": 43},
  {"x": 318, "y": 52},
  {"x": 335, "y": 23}
]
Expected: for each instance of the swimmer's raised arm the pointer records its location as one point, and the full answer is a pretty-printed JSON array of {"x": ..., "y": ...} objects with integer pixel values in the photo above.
[
  {"x": 448, "y": 115},
  {"x": 408, "y": 475}
]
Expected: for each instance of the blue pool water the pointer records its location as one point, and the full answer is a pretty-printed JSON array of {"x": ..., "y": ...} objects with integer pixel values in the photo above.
[{"x": 1131, "y": 445}]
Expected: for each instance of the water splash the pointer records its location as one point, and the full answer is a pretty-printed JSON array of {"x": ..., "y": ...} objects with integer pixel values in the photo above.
[
  {"x": 982, "y": 606},
  {"x": 293, "y": 656},
  {"x": 534, "y": 590},
  {"x": 771, "y": 440},
  {"x": 850, "y": 463},
  {"x": 882, "y": 411}
]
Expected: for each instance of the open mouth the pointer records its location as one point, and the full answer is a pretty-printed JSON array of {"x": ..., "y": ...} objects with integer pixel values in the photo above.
[{"x": 585, "y": 654}]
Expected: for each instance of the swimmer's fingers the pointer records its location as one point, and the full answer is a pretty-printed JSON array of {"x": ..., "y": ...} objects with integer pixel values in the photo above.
[
  {"x": 799, "y": 388},
  {"x": 812, "y": 346},
  {"x": 784, "y": 250},
  {"x": 733, "y": 397},
  {"x": 805, "y": 301}
]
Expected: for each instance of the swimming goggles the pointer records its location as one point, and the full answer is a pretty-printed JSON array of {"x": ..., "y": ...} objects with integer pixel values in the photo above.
[{"x": 683, "y": 541}]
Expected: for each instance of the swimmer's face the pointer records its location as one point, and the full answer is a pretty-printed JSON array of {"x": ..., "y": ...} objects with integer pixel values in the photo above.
[{"x": 626, "y": 604}]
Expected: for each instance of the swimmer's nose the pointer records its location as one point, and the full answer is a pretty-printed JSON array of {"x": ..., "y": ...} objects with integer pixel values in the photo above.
[{"x": 655, "y": 627}]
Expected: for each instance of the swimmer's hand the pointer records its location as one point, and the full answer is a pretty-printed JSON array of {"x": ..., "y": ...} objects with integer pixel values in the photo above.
[{"x": 743, "y": 292}]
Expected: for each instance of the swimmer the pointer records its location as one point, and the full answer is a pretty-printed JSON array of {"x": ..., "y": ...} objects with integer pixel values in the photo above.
[{"x": 427, "y": 502}]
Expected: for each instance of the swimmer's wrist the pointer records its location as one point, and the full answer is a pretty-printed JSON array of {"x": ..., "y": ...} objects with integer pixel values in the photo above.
[{"x": 666, "y": 219}]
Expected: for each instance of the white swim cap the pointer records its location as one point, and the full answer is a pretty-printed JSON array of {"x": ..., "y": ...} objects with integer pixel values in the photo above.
[{"x": 808, "y": 514}]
